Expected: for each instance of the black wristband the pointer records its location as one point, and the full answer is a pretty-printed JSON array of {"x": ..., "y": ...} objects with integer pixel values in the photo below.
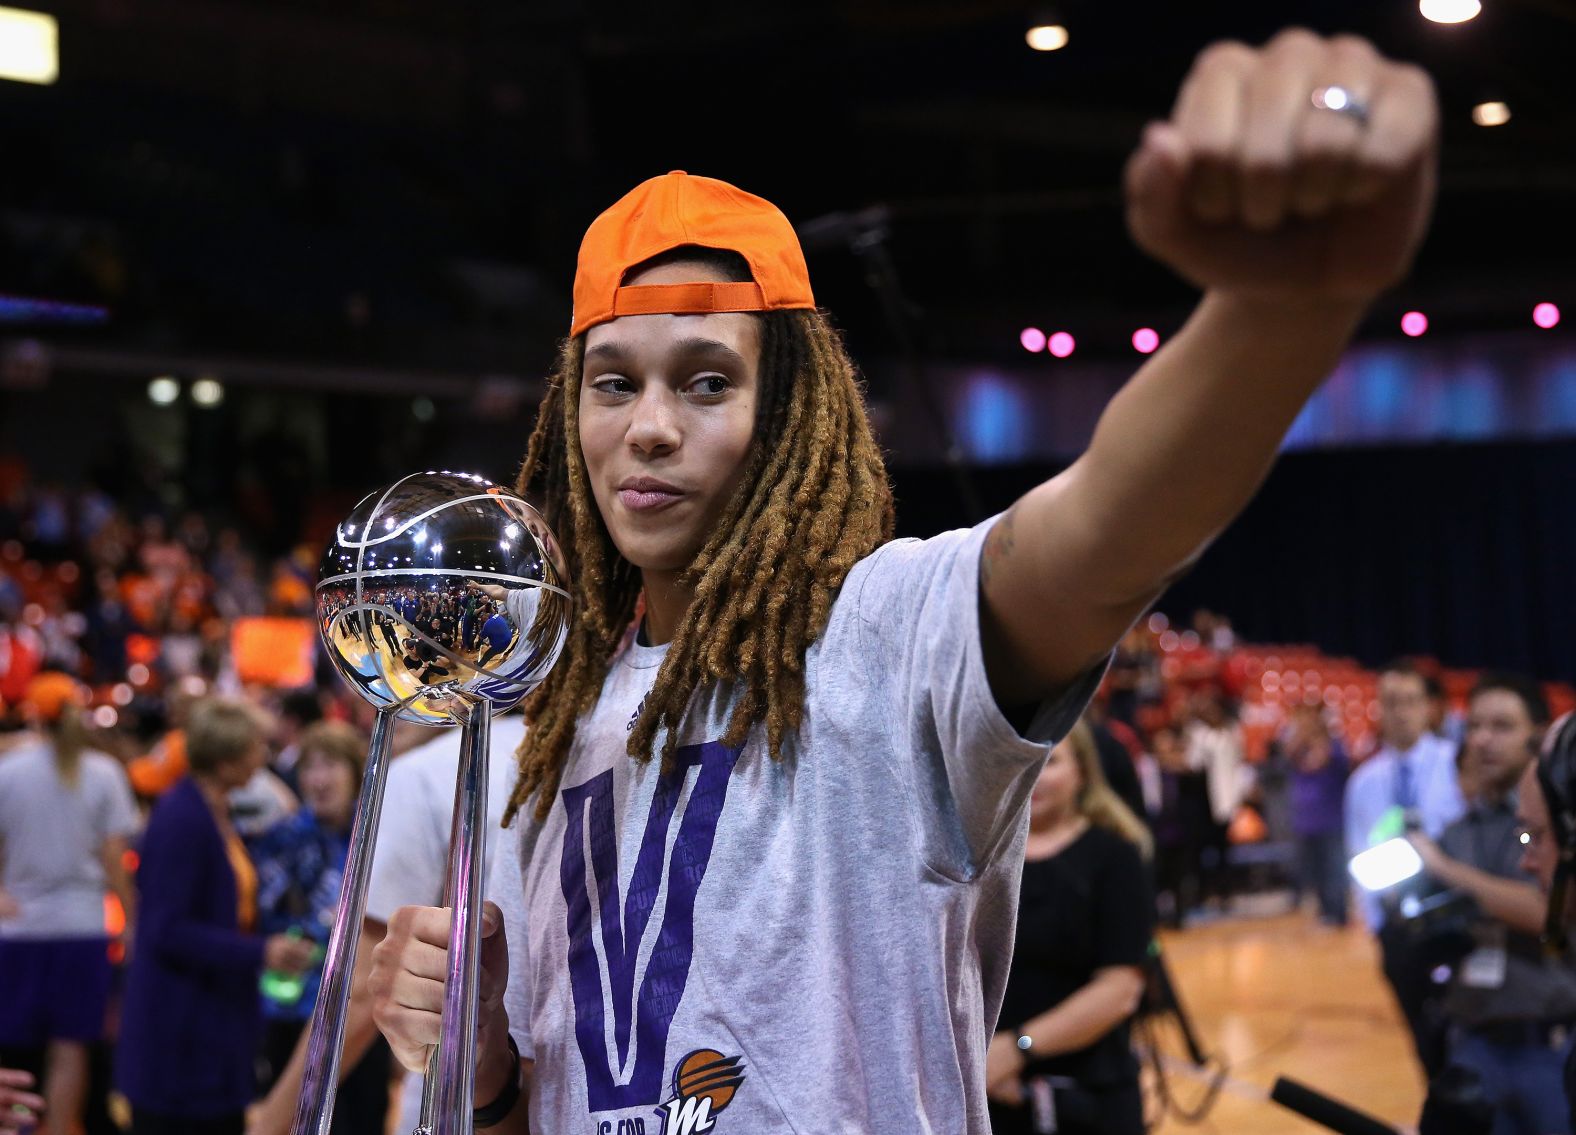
[{"x": 495, "y": 1112}]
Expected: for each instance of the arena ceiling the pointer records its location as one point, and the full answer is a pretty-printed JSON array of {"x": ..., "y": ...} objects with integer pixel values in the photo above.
[{"x": 395, "y": 181}]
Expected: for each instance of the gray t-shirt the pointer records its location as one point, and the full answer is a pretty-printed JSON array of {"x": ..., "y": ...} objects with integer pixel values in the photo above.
[
  {"x": 51, "y": 835},
  {"x": 818, "y": 945}
]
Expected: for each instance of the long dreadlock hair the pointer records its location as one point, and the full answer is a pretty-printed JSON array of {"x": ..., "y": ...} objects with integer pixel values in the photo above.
[{"x": 813, "y": 501}]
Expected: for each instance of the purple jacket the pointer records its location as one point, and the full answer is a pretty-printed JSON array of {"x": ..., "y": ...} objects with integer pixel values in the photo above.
[
  {"x": 191, "y": 1018},
  {"x": 1316, "y": 798}
]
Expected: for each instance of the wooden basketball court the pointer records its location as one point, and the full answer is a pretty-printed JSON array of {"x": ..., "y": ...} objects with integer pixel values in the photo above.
[{"x": 1284, "y": 996}]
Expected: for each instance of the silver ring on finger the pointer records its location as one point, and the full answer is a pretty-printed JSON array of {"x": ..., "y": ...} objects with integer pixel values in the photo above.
[{"x": 1340, "y": 100}]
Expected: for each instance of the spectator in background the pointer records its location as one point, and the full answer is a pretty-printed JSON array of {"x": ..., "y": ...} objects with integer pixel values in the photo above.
[
  {"x": 300, "y": 867},
  {"x": 1442, "y": 720},
  {"x": 1119, "y": 750},
  {"x": 164, "y": 765},
  {"x": 299, "y": 710},
  {"x": 1214, "y": 631},
  {"x": 66, "y": 813},
  {"x": 1316, "y": 787},
  {"x": 1546, "y": 815},
  {"x": 109, "y": 622},
  {"x": 1410, "y": 783},
  {"x": 409, "y": 868},
  {"x": 1509, "y": 1008},
  {"x": 1133, "y": 679},
  {"x": 240, "y": 593},
  {"x": 1213, "y": 745},
  {"x": 1085, "y": 922},
  {"x": 1182, "y": 825},
  {"x": 262, "y": 802},
  {"x": 190, "y": 1020},
  {"x": 256, "y": 805}
]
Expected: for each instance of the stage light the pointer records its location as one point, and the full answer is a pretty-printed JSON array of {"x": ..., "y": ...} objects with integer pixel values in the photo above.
[
  {"x": 1145, "y": 340},
  {"x": 163, "y": 391},
  {"x": 1046, "y": 37},
  {"x": 1546, "y": 315},
  {"x": 29, "y": 46},
  {"x": 208, "y": 392},
  {"x": 1060, "y": 344},
  {"x": 1032, "y": 338},
  {"x": 1492, "y": 113},
  {"x": 1449, "y": 11},
  {"x": 105, "y": 717},
  {"x": 1414, "y": 323}
]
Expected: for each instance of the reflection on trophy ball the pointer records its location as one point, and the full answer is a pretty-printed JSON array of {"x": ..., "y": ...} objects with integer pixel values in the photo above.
[{"x": 439, "y": 589}]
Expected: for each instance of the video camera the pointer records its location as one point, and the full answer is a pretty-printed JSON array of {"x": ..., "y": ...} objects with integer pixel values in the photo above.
[{"x": 1434, "y": 923}]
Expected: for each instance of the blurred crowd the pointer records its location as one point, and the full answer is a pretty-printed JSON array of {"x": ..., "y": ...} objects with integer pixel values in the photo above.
[{"x": 175, "y": 804}]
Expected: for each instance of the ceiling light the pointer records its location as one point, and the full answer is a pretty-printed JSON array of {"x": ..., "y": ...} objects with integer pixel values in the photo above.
[
  {"x": 163, "y": 391},
  {"x": 1449, "y": 11},
  {"x": 1493, "y": 113},
  {"x": 208, "y": 392},
  {"x": 1047, "y": 37},
  {"x": 29, "y": 46}
]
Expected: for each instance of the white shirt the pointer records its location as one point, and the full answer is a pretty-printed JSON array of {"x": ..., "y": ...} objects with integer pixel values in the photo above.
[{"x": 410, "y": 860}]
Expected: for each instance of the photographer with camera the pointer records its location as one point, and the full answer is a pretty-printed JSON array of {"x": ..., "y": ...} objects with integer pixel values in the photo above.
[
  {"x": 1546, "y": 810},
  {"x": 1509, "y": 1009}
]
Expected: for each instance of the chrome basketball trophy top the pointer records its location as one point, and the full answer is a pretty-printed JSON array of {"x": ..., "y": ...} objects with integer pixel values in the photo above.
[
  {"x": 441, "y": 600},
  {"x": 443, "y": 587}
]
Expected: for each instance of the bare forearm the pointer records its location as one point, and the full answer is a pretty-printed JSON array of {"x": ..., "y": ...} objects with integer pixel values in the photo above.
[
  {"x": 113, "y": 856},
  {"x": 361, "y": 1030},
  {"x": 1182, "y": 447},
  {"x": 1089, "y": 1014},
  {"x": 360, "y": 1033},
  {"x": 1233, "y": 193},
  {"x": 121, "y": 885},
  {"x": 1521, "y": 906}
]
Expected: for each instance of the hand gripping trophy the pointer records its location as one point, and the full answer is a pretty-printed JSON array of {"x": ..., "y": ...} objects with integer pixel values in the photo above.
[{"x": 441, "y": 600}]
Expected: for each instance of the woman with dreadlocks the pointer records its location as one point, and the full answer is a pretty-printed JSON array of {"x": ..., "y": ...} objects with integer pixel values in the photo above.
[{"x": 767, "y": 835}]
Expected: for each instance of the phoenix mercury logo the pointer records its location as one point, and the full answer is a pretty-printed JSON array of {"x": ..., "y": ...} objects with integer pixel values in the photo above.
[
  {"x": 622, "y": 1018},
  {"x": 703, "y": 1083}
]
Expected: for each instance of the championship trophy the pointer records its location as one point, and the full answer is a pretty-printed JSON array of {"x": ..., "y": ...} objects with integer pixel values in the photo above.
[{"x": 441, "y": 600}]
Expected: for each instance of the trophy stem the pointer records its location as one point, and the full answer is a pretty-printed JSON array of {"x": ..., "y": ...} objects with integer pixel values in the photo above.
[
  {"x": 315, "y": 1110},
  {"x": 447, "y": 1103}
]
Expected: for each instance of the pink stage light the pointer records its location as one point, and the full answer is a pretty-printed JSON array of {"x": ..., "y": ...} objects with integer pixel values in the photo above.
[
  {"x": 1145, "y": 340},
  {"x": 1032, "y": 338},
  {"x": 1546, "y": 315},
  {"x": 1414, "y": 323},
  {"x": 1061, "y": 344}
]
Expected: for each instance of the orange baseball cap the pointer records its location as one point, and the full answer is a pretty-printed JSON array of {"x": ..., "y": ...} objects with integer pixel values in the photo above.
[
  {"x": 677, "y": 209},
  {"x": 51, "y": 692}
]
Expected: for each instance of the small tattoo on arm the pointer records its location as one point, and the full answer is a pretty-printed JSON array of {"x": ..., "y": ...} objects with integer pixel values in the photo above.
[{"x": 998, "y": 546}]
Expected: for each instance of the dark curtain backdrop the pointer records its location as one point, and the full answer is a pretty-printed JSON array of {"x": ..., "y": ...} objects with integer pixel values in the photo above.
[{"x": 1467, "y": 553}]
